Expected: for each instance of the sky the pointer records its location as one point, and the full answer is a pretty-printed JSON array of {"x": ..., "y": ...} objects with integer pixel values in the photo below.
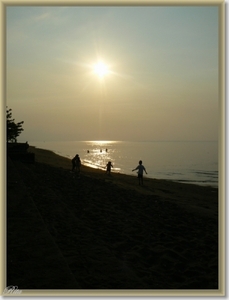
[{"x": 161, "y": 82}]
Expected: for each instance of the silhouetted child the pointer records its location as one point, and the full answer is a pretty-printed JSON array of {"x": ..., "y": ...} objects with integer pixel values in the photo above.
[
  {"x": 109, "y": 166},
  {"x": 140, "y": 169}
]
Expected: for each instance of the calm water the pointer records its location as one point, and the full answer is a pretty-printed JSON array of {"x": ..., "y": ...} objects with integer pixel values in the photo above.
[{"x": 191, "y": 162}]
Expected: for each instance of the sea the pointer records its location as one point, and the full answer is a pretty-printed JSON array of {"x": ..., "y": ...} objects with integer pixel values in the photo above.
[{"x": 186, "y": 162}]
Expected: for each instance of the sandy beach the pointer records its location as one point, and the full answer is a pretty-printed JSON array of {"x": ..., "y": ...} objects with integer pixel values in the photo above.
[{"x": 96, "y": 231}]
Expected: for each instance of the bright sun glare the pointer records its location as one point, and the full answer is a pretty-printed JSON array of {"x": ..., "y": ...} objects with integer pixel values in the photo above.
[{"x": 101, "y": 69}]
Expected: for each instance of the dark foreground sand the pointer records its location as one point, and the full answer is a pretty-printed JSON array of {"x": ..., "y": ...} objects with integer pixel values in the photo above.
[{"x": 106, "y": 232}]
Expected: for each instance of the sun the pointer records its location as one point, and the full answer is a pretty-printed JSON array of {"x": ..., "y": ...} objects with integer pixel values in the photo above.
[{"x": 101, "y": 69}]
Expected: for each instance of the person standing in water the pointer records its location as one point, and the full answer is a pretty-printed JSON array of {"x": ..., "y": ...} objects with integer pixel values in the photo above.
[{"x": 140, "y": 169}]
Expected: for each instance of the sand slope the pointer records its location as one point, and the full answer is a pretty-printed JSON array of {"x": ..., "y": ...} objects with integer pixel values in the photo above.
[{"x": 106, "y": 232}]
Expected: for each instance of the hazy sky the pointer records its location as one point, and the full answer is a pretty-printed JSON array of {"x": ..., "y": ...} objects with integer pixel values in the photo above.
[{"x": 162, "y": 82}]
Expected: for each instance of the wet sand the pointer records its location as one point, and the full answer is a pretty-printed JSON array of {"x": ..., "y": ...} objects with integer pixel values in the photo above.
[{"x": 96, "y": 231}]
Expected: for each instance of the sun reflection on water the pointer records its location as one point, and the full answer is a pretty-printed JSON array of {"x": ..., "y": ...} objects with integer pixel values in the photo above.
[
  {"x": 99, "y": 153},
  {"x": 102, "y": 142}
]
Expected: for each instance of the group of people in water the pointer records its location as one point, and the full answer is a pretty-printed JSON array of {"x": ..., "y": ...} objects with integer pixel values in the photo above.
[
  {"x": 76, "y": 164},
  {"x": 88, "y": 151}
]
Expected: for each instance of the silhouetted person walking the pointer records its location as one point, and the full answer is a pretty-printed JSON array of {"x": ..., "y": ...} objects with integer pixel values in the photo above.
[
  {"x": 140, "y": 169},
  {"x": 76, "y": 163},
  {"x": 109, "y": 166}
]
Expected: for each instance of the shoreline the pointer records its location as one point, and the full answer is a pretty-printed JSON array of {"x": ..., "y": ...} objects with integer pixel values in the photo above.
[
  {"x": 195, "y": 195},
  {"x": 64, "y": 161},
  {"x": 188, "y": 162}
]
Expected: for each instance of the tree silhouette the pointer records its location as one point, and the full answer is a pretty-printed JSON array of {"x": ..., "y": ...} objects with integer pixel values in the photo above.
[{"x": 13, "y": 129}]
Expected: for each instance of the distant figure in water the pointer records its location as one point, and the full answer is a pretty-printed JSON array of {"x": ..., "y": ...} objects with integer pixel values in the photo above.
[
  {"x": 88, "y": 151},
  {"x": 140, "y": 169},
  {"x": 76, "y": 163},
  {"x": 109, "y": 166},
  {"x": 106, "y": 150}
]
